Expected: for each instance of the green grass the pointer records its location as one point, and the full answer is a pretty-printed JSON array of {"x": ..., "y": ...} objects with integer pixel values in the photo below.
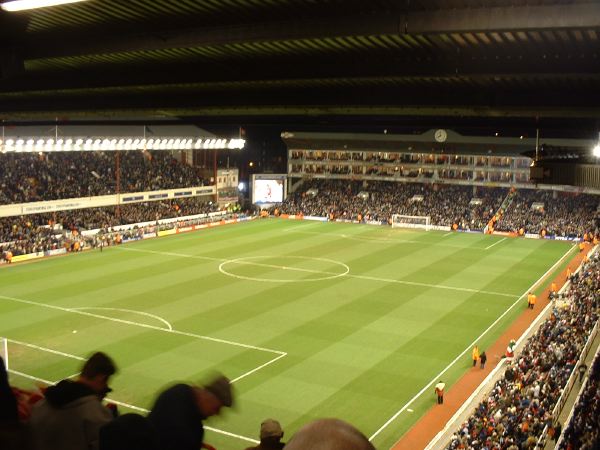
[{"x": 358, "y": 345}]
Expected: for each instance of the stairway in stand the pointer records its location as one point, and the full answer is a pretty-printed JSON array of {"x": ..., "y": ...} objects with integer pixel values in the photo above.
[{"x": 489, "y": 228}]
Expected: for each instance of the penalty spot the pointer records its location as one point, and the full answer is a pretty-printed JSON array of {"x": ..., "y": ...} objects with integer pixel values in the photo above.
[{"x": 74, "y": 331}]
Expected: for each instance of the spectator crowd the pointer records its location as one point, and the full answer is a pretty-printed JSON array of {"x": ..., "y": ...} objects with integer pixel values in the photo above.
[
  {"x": 461, "y": 207},
  {"x": 445, "y": 204},
  {"x": 583, "y": 432},
  {"x": 36, "y": 177},
  {"x": 520, "y": 405},
  {"x": 51, "y": 231},
  {"x": 552, "y": 213}
]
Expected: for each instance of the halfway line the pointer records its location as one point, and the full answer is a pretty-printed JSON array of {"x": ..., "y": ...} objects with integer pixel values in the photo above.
[{"x": 298, "y": 269}]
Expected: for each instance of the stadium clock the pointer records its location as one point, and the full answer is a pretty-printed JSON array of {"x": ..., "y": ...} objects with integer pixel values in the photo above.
[{"x": 440, "y": 135}]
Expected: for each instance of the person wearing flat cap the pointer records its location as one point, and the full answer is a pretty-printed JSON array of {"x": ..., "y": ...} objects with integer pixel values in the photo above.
[
  {"x": 270, "y": 436},
  {"x": 179, "y": 411}
]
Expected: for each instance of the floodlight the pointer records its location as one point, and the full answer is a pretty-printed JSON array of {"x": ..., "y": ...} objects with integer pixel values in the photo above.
[
  {"x": 22, "y": 5},
  {"x": 596, "y": 150}
]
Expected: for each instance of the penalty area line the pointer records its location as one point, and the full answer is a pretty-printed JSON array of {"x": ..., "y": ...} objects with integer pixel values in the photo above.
[{"x": 138, "y": 324}]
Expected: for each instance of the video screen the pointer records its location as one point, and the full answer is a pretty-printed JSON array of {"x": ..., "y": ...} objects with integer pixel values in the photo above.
[{"x": 268, "y": 191}]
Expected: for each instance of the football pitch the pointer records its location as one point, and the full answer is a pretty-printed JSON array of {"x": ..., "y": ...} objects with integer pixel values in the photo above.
[{"x": 308, "y": 319}]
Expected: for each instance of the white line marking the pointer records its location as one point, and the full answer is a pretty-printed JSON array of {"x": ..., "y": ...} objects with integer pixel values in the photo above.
[
  {"x": 386, "y": 240},
  {"x": 142, "y": 325},
  {"x": 495, "y": 243},
  {"x": 363, "y": 277},
  {"x": 448, "y": 234},
  {"x": 142, "y": 313},
  {"x": 452, "y": 422},
  {"x": 435, "y": 286},
  {"x": 284, "y": 280},
  {"x": 45, "y": 349},
  {"x": 439, "y": 375},
  {"x": 257, "y": 368},
  {"x": 137, "y": 408},
  {"x": 294, "y": 228}
]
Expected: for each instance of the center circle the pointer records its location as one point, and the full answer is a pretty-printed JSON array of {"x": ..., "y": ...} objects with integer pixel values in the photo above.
[{"x": 262, "y": 261}]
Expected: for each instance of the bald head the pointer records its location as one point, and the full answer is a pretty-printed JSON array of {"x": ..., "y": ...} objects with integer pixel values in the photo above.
[{"x": 328, "y": 434}]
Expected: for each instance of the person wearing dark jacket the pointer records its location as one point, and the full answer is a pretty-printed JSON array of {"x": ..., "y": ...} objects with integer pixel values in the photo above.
[
  {"x": 128, "y": 432},
  {"x": 11, "y": 431},
  {"x": 71, "y": 414},
  {"x": 9, "y": 412},
  {"x": 179, "y": 411}
]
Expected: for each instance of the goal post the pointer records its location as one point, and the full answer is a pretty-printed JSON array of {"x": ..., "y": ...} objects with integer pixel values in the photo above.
[
  {"x": 4, "y": 351},
  {"x": 419, "y": 222}
]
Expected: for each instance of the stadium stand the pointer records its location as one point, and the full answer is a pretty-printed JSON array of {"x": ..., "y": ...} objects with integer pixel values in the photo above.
[
  {"x": 42, "y": 232},
  {"x": 80, "y": 174},
  {"x": 446, "y": 205},
  {"x": 534, "y": 211},
  {"x": 519, "y": 406},
  {"x": 583, "y": 430},
  {"x": 560, "y": 214}
]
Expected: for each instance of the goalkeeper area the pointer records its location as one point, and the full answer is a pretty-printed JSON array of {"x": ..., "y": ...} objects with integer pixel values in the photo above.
[
  {"x": 416, "y": 222},
  {"x": 308, "y": 319}
]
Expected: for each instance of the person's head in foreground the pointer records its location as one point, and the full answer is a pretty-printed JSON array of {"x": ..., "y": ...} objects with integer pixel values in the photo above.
[
  {"x": 96, "y": 372},
  {"x": 213, "y": 396},
  {"x": 179, "y": 411},
  {"x": 328, "y": 434},
  {"x": 270, "y": 431}
]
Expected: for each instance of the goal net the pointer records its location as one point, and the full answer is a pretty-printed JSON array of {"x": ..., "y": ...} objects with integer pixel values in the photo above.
[{"x": 420, "y": 222}]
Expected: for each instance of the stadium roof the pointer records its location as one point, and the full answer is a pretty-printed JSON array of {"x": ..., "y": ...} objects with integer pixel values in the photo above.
[
  {"x": 299, "y": 58},
  {"x": 570, "y": 149}
]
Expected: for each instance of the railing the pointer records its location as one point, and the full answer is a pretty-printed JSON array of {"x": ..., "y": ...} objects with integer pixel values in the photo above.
[{"x": 560, "y": 404}]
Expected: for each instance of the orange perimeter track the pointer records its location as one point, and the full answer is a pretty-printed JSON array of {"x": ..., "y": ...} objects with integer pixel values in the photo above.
[{"x": 434, "y": 420}]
